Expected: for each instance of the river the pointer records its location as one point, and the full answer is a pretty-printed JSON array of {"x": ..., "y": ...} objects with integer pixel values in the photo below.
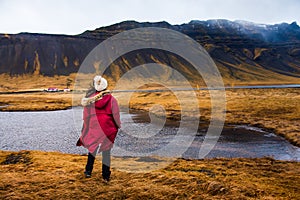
[{"x": 59, "y": 131}]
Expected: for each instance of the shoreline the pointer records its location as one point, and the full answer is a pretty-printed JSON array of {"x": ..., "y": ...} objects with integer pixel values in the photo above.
[
  {"x": 148, "y": 159},
  {"x": 274, "y": 110},
  {"x": 62, "y": 133}
]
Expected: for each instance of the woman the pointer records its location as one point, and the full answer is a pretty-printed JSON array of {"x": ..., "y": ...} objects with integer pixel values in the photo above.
[{"x": 101, "y": 121}]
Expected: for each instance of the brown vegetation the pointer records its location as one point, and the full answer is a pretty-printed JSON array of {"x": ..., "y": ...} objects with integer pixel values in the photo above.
[
  {"x": 35, "y": 101},
  {"x": 40, "y": 175},
  {"x": 50, "y": 175},
  {"x": 277, "y": 110},
  {"x": 33, "y": 82}
]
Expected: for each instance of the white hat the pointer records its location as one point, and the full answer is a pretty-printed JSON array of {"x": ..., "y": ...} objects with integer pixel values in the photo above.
[{"x": 100, "y": 83}]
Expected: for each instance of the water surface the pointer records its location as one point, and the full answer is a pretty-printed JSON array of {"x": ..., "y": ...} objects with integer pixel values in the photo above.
[{"x": 59, "y": 131}]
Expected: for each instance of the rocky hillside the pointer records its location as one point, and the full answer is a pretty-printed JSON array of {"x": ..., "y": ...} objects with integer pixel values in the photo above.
[
  {"x": 243, "y": 51},
  {"x": 42, "y": 53}
]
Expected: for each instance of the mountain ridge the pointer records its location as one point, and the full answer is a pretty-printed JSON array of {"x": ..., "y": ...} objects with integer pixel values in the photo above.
[{"x": 243, "y": 51}]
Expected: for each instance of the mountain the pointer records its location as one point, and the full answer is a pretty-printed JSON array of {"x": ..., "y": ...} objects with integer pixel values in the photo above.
[{"x": 243, "y": 51}]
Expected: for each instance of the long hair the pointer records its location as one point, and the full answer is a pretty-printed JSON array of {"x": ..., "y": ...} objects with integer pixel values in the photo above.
[{"x": 91, "y": 90}]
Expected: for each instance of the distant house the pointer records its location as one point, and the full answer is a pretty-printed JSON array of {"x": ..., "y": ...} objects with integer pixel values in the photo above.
[{"x": 52, "y": 89}]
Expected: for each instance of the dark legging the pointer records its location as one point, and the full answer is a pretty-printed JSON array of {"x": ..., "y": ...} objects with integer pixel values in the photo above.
[{"x": 105, "y": 163}]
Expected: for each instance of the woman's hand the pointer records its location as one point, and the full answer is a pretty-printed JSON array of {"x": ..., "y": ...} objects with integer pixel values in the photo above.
[{"x": 85, "y": 101}]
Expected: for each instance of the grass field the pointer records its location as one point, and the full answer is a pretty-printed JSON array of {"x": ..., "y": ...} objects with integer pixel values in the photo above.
[
  {"x": 277, "y": 110},
  {"x": 51, "y": 175}
]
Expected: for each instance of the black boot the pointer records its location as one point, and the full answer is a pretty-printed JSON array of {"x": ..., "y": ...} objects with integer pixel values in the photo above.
[
  {"x": 106, "y": 165},
  {"x": 89, "y": 165},
  {"x": 106, "y": 172}
]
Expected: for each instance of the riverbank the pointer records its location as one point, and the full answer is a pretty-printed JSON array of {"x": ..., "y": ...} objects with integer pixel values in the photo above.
[
  {"x": 51, "y": 175},
  {"x": 37, "y": 101},
  {"x": 276, "y": 110}
]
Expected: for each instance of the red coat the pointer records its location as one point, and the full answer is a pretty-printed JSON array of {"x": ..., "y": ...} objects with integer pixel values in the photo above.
[{"x": 101, "y": 121}]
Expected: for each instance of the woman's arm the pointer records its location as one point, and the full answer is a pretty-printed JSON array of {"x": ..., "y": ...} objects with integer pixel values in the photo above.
[{"x": 116, "y": 112}]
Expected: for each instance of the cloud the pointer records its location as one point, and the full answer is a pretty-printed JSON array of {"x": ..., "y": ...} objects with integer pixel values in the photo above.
[{"x": 76, "y": 16}]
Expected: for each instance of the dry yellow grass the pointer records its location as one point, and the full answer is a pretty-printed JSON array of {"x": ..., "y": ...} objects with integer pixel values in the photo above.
[
  {"x": 36, "y": 101},
  {"x": 276, "y": 110},
  {"x": 33, "y": 82},
  {"x": 44, "y": 175},
  {"x": 51, "y": 175}
]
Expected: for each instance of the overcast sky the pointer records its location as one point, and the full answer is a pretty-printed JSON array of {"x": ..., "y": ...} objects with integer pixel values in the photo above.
[{"x": 76, "y": 16}]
